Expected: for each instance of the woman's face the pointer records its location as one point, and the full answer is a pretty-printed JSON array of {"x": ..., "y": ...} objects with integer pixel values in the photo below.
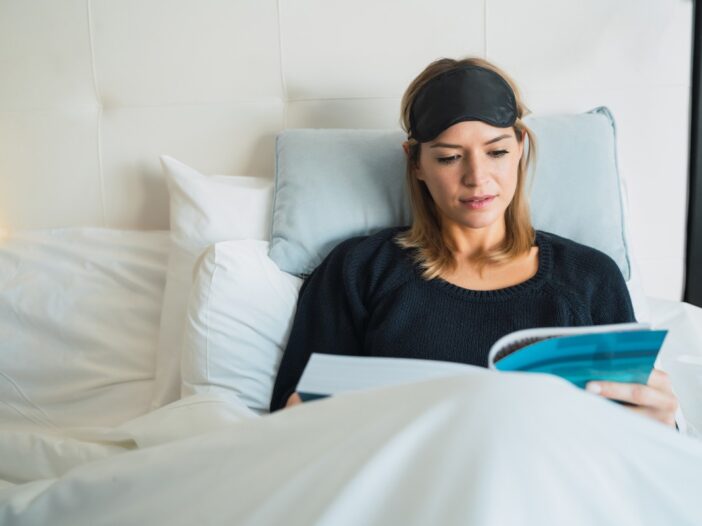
[{"x": 467, "y": 161}]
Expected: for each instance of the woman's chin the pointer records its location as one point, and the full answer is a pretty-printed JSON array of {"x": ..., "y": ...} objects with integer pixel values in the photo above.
[{"x": 477, "y": 220}]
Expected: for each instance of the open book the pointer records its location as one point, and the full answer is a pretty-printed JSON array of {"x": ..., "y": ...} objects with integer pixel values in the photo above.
[{"x": 623, "y": 352}]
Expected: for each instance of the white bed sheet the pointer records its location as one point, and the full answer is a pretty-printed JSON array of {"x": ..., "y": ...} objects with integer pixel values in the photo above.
[
  {"x": 484, "y": 448},
  {"x": 79, "y": 313}
]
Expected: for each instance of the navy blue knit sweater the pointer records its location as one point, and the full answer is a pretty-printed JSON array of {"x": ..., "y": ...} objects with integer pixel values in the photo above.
[{"x": 368, "y": 298}]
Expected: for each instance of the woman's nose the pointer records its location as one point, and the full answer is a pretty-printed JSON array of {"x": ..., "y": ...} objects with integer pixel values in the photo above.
[{"x": 474, "y": 172}]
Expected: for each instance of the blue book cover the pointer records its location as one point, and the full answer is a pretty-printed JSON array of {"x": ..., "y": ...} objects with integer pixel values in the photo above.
[{"x": 618, "y": 356}]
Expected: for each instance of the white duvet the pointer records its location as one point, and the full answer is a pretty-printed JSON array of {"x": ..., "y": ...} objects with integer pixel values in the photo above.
[
  {"x": 483, "y": 448},
  {"x": 79, "y": 313}
]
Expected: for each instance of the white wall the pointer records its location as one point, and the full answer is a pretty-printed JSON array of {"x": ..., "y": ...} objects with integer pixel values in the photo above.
[{"x": 93, "y": 91}]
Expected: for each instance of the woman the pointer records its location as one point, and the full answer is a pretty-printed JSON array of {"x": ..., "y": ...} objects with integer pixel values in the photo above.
[{"x": 470, "y": 268}]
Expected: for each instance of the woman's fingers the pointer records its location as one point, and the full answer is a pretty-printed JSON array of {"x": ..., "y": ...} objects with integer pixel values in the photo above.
[
  {"x": 636, "y": 394},
  {"x": 656, "y": 399},
  {"x": 294, "y": 399},
  {"x": 660, "y": 380}
]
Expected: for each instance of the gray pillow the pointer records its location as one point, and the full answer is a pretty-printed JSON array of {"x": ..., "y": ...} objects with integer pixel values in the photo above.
[{"x": 334, "y": 184}]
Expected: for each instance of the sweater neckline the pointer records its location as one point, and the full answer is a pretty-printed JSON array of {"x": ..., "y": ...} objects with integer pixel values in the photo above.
[{"x": 543, "y": 271}]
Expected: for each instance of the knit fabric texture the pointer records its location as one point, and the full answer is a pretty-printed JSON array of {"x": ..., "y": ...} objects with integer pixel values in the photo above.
[{"x": 368, "y": 298}]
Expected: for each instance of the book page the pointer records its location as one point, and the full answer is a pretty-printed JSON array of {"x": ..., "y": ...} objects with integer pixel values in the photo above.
[{"x": 328, "y": 374}]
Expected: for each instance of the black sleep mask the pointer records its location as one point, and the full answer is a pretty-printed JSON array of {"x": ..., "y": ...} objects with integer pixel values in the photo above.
[{"x": 470, "y": 93}]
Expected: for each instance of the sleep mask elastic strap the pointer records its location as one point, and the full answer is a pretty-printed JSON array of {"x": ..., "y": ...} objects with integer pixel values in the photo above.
[{"x": 464, "y": 94}]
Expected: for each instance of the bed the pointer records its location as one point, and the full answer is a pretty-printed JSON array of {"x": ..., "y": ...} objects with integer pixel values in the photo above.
[{"x": 147, "y": 289}]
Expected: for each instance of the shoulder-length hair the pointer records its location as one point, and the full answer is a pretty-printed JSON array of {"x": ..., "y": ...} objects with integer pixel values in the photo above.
[{"x": 431, "y": 251}]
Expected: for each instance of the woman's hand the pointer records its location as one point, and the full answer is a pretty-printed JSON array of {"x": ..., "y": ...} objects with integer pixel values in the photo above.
[
  {"x": 294, "y": 399},
  {"x": 655, "y": 399}
]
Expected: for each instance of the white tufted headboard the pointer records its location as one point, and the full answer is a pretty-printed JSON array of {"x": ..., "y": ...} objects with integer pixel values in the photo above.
[{"x": 93, "y": 91}]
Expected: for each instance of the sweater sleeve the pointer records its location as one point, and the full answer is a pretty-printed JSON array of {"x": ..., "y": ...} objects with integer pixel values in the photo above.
[
  {"x": 611, "y": 302},
  {"x": 329, "y": 318}
]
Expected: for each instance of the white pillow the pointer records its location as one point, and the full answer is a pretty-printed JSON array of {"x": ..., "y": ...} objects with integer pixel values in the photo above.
[
  {"x": 239, "y": 318},
  {"x": 203, "y": 211}
]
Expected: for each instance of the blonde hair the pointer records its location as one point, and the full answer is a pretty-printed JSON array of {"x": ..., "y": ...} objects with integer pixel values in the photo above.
[{"x": 431, "y": 250}]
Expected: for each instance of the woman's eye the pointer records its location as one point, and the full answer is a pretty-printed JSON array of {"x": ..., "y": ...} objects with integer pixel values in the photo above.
[
  {"x": 447, "y": 160},
  {"x": 498, "y": 153}
]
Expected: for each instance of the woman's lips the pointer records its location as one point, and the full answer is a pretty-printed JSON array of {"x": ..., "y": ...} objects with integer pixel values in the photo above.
[{"x": 475, "y": 203}]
